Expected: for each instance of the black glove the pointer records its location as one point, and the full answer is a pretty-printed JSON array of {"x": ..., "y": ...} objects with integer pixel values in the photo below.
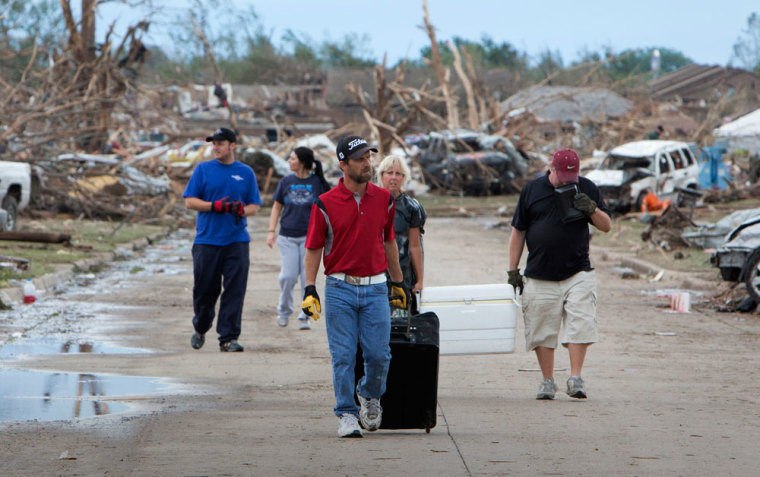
[
  {"x": 398, "y": 295},
  {"x": 516, "y": 280},
  {"x": 584, "y": 203},
  {"x": 237, "y": 208},
  {"x": 222, "y": 206},
  {"x": 310, "y": 304}
]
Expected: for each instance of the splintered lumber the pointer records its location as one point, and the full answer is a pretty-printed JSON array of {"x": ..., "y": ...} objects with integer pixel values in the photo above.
[{"x": 42, "y": 237}]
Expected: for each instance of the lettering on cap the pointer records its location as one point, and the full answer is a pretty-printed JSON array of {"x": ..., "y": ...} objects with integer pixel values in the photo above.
[{"x": 356, "y": 143}]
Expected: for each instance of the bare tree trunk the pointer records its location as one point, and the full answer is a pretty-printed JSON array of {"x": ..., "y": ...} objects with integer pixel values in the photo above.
[
  {"x": 198, "y": 31},
  {"x": 88, "y": 30},
  {"x": 452, "y": 113},
  {"x": 480, "y": 95},
  {"x": 472, "y": 109}
]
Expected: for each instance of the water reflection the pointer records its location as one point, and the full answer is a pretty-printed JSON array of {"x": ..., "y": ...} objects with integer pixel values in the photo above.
[
  {"x": 51, "y": 345},
  {"x": 53, "y": 396},
  {"x": 68, "y": 320}
]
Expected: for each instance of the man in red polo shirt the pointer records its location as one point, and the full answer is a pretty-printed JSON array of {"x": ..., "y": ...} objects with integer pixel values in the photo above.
[{"x": 353, "y": 225}]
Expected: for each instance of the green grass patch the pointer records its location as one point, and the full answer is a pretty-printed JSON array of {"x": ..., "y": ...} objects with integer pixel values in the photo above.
[{"x": 87, "y": 239}]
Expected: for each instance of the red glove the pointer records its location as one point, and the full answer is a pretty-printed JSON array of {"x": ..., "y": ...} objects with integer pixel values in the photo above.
[{"x": 222, "y": 206}]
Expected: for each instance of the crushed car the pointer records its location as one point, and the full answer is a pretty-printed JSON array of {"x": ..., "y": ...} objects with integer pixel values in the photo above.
[
  {"x": 739, "y": 257},
  {"x": 631, "y": 170},
  {"x": 470, "y": 162}
]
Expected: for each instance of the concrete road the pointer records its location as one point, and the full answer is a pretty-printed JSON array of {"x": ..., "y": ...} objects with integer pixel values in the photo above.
[{"x": 669, "y": 393}]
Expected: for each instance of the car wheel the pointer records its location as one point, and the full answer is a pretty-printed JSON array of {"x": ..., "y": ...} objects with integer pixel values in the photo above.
[
  {"x": 11, "y": 206},
  {"x": 752, "y": 275}
]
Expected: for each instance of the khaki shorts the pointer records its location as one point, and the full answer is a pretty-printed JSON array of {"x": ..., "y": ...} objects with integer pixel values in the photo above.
[{"x": 548, "y": 305}]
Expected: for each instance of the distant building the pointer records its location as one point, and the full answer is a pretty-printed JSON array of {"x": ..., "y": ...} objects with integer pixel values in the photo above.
[{"x": 698, "y": 87}]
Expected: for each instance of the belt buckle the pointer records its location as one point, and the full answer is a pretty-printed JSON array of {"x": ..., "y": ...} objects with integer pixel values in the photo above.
[{"x": 353, "y": 280}]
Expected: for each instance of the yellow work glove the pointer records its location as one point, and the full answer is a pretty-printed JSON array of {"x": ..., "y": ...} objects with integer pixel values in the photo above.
[
  {"x": 310, "y": 304},
  {"x": 398, "y": 296}
]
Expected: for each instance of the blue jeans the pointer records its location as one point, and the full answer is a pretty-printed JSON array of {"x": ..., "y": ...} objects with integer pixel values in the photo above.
[
  {"x": 357, "y": 314},
  {"x": 292, "y": 253}
]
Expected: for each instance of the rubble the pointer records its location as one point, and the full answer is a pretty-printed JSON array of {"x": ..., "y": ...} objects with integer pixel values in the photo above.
[{"x": 105, "y": 145}]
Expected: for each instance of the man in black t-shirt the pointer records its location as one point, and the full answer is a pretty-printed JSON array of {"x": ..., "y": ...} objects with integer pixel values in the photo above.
[{"x": 552, "y": 217}]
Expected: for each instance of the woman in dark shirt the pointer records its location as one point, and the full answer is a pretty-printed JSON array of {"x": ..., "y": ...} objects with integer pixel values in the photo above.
[{"x": 293, "y": 198}]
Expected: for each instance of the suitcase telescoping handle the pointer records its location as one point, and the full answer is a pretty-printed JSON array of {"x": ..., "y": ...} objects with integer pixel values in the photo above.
[{"x": 415, "y": 306}]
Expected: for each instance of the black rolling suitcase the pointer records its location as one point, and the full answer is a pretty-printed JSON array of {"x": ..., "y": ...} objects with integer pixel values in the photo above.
[{"x": 411, "y": 392}]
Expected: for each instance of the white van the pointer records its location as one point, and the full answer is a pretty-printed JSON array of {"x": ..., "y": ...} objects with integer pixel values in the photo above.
[{"x": 662, "y": 166}]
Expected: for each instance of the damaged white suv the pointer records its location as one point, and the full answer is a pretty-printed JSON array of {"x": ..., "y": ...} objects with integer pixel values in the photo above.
[{"x": 630, "y": 169}]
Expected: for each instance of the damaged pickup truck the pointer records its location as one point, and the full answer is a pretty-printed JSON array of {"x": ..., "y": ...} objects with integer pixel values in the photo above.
[
  {"x": 473, "y": 163},
  {"x": 630, "y": 170}
]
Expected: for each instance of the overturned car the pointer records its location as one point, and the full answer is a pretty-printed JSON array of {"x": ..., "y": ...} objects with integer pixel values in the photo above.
[
  {"x": 470, "y": 162},
  {"x": 630, "y": 170}
]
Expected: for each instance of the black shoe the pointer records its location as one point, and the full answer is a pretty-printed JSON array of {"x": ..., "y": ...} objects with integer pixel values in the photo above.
[
  {"x": 231, "y": 346},
  {"x": 197, "y": 340}
]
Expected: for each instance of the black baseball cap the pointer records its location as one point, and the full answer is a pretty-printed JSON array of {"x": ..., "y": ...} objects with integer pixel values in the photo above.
[
  {"x": 222, "y": 134},
  {"x": 352, "y": 147}
]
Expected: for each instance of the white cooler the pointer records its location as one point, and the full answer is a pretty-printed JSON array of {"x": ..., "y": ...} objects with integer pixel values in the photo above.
[{"x": 474, "y": 319}]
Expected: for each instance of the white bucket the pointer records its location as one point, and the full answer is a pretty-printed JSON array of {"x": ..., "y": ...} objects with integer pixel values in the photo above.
[{"x": 680, "y": 302}]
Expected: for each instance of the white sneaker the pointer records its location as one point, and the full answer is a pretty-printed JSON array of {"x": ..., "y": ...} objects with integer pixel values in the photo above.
[
  {"x": 349, "y": 426},
  {"x": 371, "y": 413},
  {"x": 303, "y": 324},
  {"x": 282, "y": 321}
]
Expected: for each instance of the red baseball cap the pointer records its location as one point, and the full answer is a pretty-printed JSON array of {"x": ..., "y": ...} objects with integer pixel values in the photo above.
[{"x": 566, "y": 164}]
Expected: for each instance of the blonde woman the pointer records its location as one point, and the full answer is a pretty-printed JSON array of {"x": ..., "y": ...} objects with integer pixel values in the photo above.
[{"x": 392, "y": 174}]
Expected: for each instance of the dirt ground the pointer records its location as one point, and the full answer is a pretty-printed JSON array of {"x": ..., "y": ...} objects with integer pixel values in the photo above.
[{"x": 670, "y": 394}]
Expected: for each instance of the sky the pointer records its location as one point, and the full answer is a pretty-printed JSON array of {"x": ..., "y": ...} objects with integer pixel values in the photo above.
[{"x": 703, "y": 30}]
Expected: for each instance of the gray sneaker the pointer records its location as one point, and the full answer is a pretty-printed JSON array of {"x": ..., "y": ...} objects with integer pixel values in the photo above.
[
  {"x": 546, "y": 389},
  {"x": 197, "y": 340},
  {"x": 231, "y": 346},
  {"x": 575, "y": 387},
  {"x": 282, "y": 321},
  {"x": 370, "y": 414}
]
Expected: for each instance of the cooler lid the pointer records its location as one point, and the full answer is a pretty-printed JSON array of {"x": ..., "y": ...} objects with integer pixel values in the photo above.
[{"x": 459, "y": 293}]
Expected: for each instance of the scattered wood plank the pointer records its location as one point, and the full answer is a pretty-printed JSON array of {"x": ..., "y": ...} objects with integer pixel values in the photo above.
[{"x": 42, "y": 237}]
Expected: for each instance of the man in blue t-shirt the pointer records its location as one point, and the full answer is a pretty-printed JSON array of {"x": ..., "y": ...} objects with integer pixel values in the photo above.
[{"x": 224, "y": 192}]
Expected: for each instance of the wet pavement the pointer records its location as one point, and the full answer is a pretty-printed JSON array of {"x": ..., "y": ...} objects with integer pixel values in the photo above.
[
  {"x": 269, "y": 410},
  {"x": 71, "y": 319}
]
